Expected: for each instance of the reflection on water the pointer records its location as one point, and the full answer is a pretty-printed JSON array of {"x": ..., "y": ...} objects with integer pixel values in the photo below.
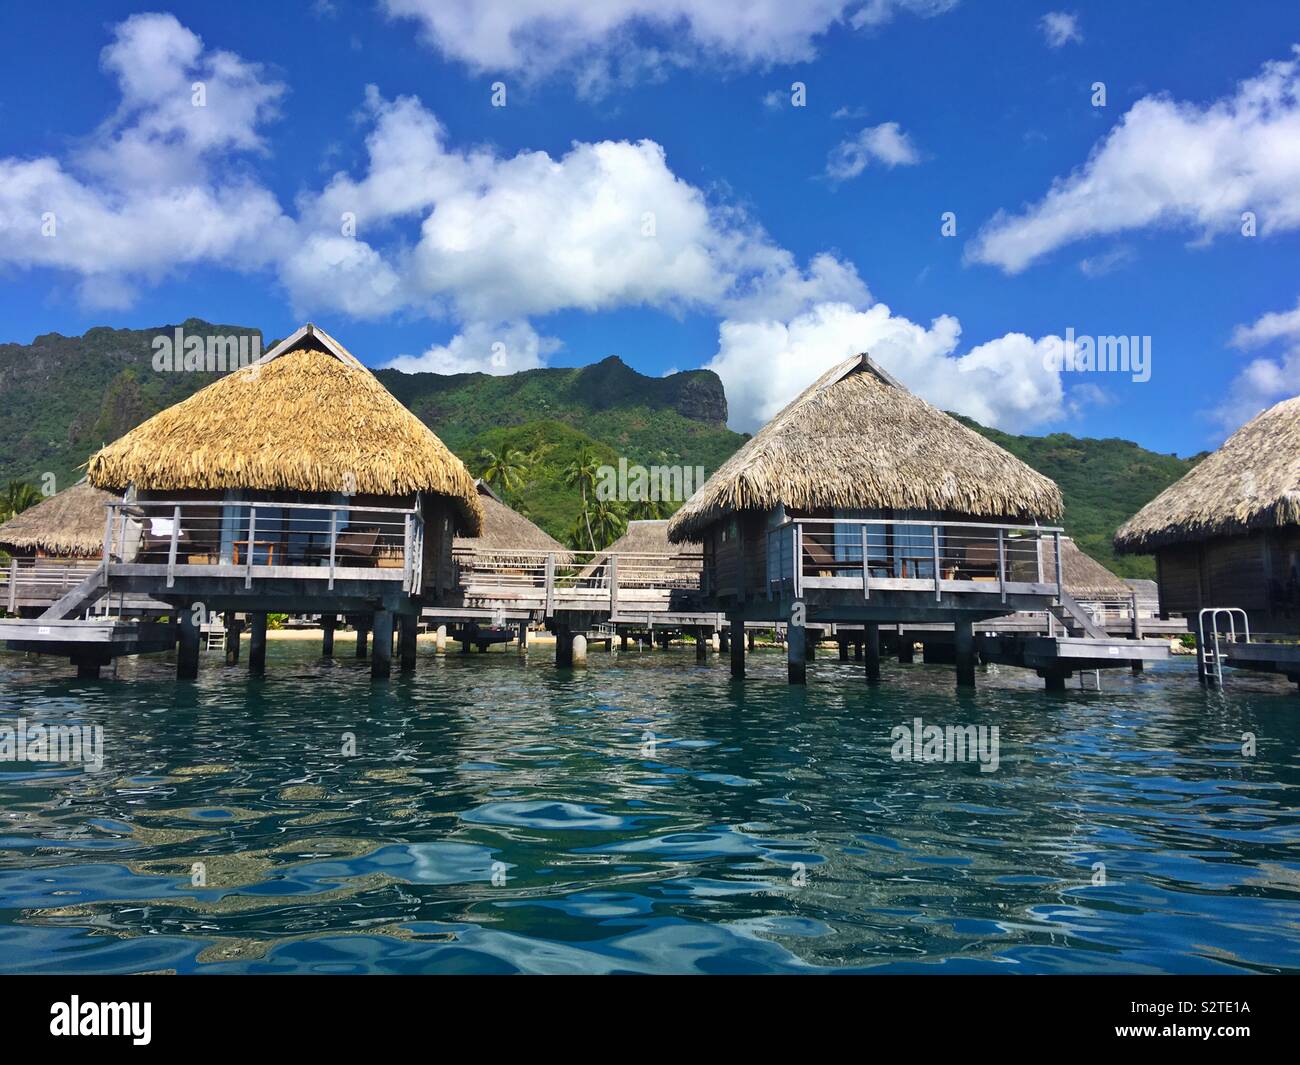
[{"x": 644, "y": 816}]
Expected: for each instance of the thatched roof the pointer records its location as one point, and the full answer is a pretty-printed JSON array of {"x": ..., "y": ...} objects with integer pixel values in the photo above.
[
  {"x": 307, "y": 416},
  {"x": 650, "y": 537},
  {"x": 857, "y": 439},
  {"x": 504, "y": 528},
  {"x": 1085, "y": 577},
  {"x": 68, "y": 523},
  {"x": 1251, "y": 482}
]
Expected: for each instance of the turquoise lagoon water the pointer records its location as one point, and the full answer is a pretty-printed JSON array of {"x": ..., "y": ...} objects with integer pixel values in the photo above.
[{"x": 646, "y": 815}]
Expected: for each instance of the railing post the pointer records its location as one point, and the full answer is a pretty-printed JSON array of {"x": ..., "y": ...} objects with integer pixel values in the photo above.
[
  {"x": 1002, "y": 564},
  {"x": 1137, "y": 625},
  {"x": 613, "y": 586},
  {"x": 1056, "y": 537},
  {"x": 866, "y": 567},
  {"x": 797, "y": 548},
  {"x": 252, "y": 536},
  {"x": 934, "y": 549},
  {"x": 13, "y": 586},
  {"x": 1038, "y": 556},
  {"x": 108, "y": 536},
  {"x": 418, "y": 578},
  {"x": 550, "y": 585},
  {"x": 406, "y": 553},
  {"x": 171, "y": 548},
  {"x": 334, "y": 539}
]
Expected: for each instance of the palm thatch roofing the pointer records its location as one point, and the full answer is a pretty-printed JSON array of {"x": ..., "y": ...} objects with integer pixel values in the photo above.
[
  {"x": 650, "y": 537},
  {"x": 858, "y": 439},
  {"x": 1251, "y": 482},
  {"x": 505, "y": 529},
  {"x": 69, "y": 523},
  {"x": 1084, "y": 577},
  {"x": 307, "y": 416}
]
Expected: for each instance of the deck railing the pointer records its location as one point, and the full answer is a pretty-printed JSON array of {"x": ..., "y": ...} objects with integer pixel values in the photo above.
[
  {"x": 171, "y": 539},
  {"x": 878, "y": 554},
  {"x": 41, "y": 578},
  {"x": 598, "y": 578}
]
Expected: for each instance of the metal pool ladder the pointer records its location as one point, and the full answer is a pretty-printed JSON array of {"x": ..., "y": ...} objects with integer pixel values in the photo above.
[{"x": 1211, "y": 661}]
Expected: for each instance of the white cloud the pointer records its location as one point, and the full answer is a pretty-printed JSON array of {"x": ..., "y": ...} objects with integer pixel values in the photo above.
[
  {"x": 764, "y": 363},
  {"x": 537, "y": 37},
  {"x": 1107, "y": 262},
  {"x": 1171, "y": 164},
  {"x": 885, "y": 143},
  {"x": 501, "y": 238},
  {"x": 875, "y": 13},
  {"x": 1060, "y": 28},
  {"x": 152, "y": 190},
  {"x": 1264, "y": 381},
  {"x": 501, "y": 349}
]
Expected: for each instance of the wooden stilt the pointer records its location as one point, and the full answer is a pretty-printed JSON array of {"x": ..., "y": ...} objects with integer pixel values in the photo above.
[
  {"x": 737, "y": 648},
  {"x": 408, "y": 641},
  {"x": 257, "y": 643},
  {"x": 796, "y": 638},
  {"x": 871, "y": 648},
  {"x": 187, "y": 646},
  {"x": 327, "y": 636},
  {"x": 234, "y": 632},
  {"x": 964, "y": 653},
  {"x": 381, "y": 657}
]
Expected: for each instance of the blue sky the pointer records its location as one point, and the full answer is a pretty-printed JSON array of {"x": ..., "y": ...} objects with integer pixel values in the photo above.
[{"x": 650, "y": 190}]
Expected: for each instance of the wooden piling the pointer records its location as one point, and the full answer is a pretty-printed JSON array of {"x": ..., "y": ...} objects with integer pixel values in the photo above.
[
  {"x": 187, "y": 646},
  {"x": 736, "y": 646},
  {"x": 257, "y": 643},
  {"x": 796, "y": 638},
  {"x": 871, "y": 650},
  {"x": 964, "y": 653},
  {"x": 234, "y": 632},
  {"x": 381, "y": 657},
  {"x": 327, "y": 636},
  {"x": 408, "y": 641}
]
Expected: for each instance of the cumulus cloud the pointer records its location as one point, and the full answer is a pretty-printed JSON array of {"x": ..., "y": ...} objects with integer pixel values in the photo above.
[
  {"x": 504, "y": 348},
  {"x": 1265, "y": 380},
  {"x": 886, "y": 144},
  {"x": 491, "y": 238},
  {"x": 1060, "y": 28},
  {"x": 620, "y": 39},
  {"x": 1171, "y": 164},
  {"x": 1007, "y": 382},
  {"x": 152, "y": 189}
]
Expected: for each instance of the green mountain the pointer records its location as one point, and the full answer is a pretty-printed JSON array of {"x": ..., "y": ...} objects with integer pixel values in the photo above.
[
  {"x": 63, "y": 397},
  {"x": 1104, "y": 482}
]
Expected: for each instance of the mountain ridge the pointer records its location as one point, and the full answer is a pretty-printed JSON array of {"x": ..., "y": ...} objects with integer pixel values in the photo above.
[{"x": 63, "y": 397}]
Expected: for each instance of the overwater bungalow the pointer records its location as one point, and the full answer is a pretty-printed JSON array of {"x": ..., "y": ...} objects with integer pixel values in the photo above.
[
  {"x": 647, "y": 559},
  {"x": 861, "y": 503},
  {"x": 1227, "y": 534},
  {"x": 52, "y": 546},
  {"x": 297, "y": 484},
  {"x": 504, "y": 529}
]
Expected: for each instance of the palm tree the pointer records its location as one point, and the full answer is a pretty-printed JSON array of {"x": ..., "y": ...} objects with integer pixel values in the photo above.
[
  {"x": 18, "y": 497},
  {"x": 607, "y": 522},
  {"x": 581, "y": 474},
  {"x": 504, "y": 469},
  {"x": 648, "y": 510}
]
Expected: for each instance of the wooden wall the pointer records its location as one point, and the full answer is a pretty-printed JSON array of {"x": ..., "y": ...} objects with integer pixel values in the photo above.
[{"x": 1259, "y": 572}]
